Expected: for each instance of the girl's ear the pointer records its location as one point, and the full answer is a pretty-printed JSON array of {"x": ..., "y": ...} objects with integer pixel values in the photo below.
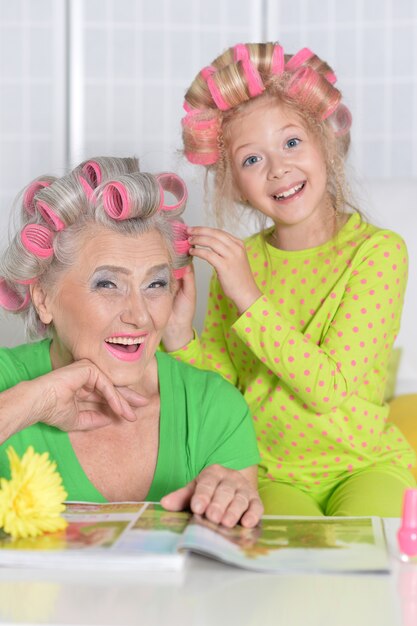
[{"x": 41, "y": 302}]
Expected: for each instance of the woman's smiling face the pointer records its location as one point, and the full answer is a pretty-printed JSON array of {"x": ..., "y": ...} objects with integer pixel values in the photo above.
[{"x": 112, "y": 305}]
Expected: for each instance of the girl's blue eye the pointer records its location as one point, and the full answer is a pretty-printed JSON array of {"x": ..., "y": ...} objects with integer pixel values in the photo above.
[
  {"x": 251, "y": 160},
  {"x": 293, "y": 142}
]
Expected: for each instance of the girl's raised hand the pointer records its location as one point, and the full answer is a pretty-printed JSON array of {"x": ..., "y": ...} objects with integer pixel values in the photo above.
[{"x": 227, "y": 255}]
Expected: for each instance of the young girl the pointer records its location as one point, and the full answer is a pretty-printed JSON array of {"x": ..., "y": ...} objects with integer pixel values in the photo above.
[{"x": 301, "y": 316}]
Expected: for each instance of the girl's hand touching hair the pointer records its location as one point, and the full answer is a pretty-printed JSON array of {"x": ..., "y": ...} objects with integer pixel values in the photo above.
[
  {"x": 224, "y": 496},
  {"x": 227, "y": 254}
]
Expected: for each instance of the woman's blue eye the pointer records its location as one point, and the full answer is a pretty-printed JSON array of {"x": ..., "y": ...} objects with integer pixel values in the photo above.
[
  {"x": 157, "y": 284},
  {"x": 293, "y": 142},
  {"x": 251, "y": 160},
  {"x": 105, "y": 284}
]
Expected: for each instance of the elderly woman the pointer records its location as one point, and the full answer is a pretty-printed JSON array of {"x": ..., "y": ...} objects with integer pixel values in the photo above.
[{"x": 93, "y": 269}]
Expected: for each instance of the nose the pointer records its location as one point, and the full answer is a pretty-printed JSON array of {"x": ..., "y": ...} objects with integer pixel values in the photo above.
[
  {"x": 278, "y": 167},
  {"x": 135, "y": 312}
]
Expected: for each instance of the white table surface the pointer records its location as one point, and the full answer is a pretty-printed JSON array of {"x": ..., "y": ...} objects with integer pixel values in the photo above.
[{"x": 208, "y": 593}]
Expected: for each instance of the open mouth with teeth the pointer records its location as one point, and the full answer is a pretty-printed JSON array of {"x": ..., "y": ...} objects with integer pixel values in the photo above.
[
  {"x": 125, "y": 348},
  {"x": 289, "y": 193}
]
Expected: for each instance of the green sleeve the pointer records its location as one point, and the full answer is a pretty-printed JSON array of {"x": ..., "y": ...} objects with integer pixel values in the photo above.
[
  {"x": 359, "y": 321},
  {"x": 226, "y": 434}
]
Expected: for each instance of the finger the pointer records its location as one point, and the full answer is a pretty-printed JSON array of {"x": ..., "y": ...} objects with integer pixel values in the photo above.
[
  {"x": 237, "y": 507},
  {"x": 91, "y": 420},
  {"x": 222, "y": 247},
  {"x": 206, "y": 485},
  {"x": 115, "y": 400},
  {"x": 217, "y": 233},
  {"x": 180, "y": 499},
  {"x": 211, "y": 257},
  {"x": 132, "y": 397},
  {"x": 222, "y": 499},
  {"x": 252, "y": 516}
]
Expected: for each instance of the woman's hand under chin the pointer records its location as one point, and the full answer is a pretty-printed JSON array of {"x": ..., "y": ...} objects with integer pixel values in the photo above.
[
  {"x": 80, "y": 397},
  {"x": 224, "y": 496}
]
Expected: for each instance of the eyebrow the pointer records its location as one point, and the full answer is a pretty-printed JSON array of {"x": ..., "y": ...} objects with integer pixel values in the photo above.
[
  {"x": 281, "y": 130},
  {"x": 116, "y": 269}
]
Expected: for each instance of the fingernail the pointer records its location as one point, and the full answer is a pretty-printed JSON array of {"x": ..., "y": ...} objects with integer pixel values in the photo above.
[{"x": 198, "y": 506}]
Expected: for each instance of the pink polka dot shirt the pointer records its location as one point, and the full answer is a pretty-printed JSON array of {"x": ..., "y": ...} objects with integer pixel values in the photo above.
[{"x": 311, "y": 354}]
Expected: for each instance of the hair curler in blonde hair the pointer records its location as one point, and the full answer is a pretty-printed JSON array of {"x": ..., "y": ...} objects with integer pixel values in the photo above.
[
  {"x": 313, "y": 92},
  {"x": 247, "y": 71}
]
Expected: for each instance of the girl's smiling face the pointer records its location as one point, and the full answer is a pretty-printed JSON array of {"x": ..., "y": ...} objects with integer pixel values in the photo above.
[
  {"x": 279, "y": 167},
  {"x": 112, "y": 305}
]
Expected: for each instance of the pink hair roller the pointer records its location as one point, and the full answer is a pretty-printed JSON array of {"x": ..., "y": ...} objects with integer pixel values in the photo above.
[
  {"x": 206, "y": 130},
  {"x": 37, "y": 240},
  {"x": 198, "y": 124},
  {"x": 340, "y": 120},
  {"x": 173, "y": 184},
  {"x": 180, "y": 272},
  {"x": 207, "y": 158},
  {"x": 278, "y": 61},
  {"x": 89, "y": 191},
  {"x": 304, "y": 79},
  {"x": 298, "y": 59},
  {"x": 208, "y": 71},
  {"x": 216, "y": 95},
  {"x": 10, "y": 300},
  {"x": 187, "y": 107},
  {"x": 181, "y": 243},
  {"x": 49, "y": 215},
  {"x": 255, "y": 84},
  {"x": 331, "y": 77},
  {"x": 29, "y": 195},
  {"x": 116, "y": 201},
  {"x": 26, "y": 281},
  {"x": 302, "y": 86},
  {"x": 93, "y": 172}
]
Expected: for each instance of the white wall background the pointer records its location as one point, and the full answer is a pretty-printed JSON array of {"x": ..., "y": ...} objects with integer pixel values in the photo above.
[{"x": 79, "y": 78}]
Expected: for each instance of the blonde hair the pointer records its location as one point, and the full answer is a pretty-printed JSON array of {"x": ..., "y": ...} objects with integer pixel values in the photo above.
[
  {"x": 303, "y": 83},
  {"x": 55, "y": 215}
]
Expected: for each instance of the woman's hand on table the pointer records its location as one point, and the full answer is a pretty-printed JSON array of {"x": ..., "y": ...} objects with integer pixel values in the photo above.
[
  {"x": 80, "y": 397},
  {"x": 222, "y": 495}
]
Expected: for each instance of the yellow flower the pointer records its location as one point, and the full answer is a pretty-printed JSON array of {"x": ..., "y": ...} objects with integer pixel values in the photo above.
[{"x": 32, "y": 500}]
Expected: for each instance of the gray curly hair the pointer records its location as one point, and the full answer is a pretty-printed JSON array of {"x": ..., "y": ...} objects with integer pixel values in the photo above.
[{"x": 55, "y": 212}]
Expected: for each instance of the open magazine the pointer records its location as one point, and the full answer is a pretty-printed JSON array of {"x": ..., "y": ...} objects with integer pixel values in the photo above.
[{"x": 144, "y": 536}]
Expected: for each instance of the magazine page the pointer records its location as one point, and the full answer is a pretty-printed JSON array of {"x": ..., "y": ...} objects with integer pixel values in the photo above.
[
  {"x": 122, "y": 535},
  {"x": 294, "y": 544}
]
